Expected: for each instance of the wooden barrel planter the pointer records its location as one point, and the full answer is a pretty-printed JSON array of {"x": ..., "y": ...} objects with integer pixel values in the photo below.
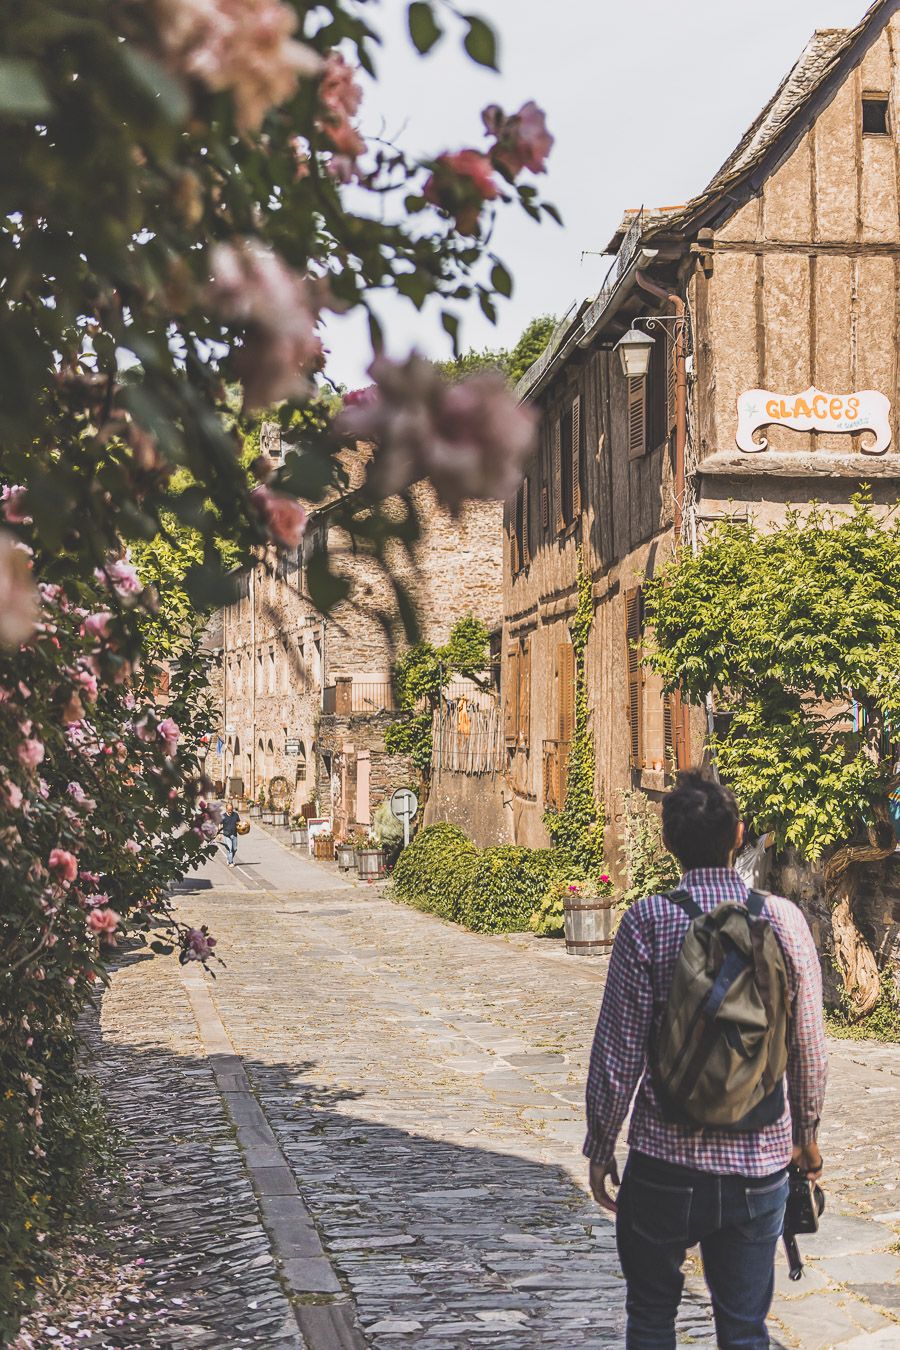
[
  {"x": 323, "y": 848},
  {"x": 346, "y": 857},
  {"x": 369, "y": 863},
  {"x": 300, "y": 838},
  {"x": 589, "y": 925}
]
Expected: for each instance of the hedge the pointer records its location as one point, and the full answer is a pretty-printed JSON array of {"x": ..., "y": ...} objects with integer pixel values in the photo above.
[{"x": 492, "y": 890}]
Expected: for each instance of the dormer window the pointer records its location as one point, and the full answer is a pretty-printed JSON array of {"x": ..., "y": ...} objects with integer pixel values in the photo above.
[{"x": 875, "y": 115}]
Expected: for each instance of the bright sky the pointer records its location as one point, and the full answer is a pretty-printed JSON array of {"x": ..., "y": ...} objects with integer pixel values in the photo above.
[{"x": 645, "y": 99}]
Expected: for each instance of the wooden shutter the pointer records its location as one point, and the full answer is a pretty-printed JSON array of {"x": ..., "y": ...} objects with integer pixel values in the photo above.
[
  {"x": 576, "y": 457},
  {"x": 637, "y": 417},
  {"x": 545, "y": 508},
  {"x": 672, "y": 373},
  {"x": 556, "y": 468},
  {"x": 525, "y": 537},
  {"x": 635, "y": 675},
  {"x": 669, "y": 750},
  {"x": 524, "y": 727},
  {"x": 514, "y": 540},
  {"x": 511, "y": 695},
  {"x": 565, "y": 691}
]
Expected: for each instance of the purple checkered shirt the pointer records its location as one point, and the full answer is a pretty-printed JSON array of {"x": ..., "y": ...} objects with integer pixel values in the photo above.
[{"x": 637, "y": 989}]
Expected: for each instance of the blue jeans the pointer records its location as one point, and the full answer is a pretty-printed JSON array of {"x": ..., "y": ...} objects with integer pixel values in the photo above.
[
  {"x": 230, "y": 846},
  {"x": 663, "y": 1210}
]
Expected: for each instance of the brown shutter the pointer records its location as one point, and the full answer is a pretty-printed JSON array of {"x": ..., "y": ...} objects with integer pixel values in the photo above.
[
  {"x": 633, "y": 627},
  {"x": 545, "y": 507},
  {"x": 511, "y": 695},
  {"x": 514, "y": 539},
  {"x": 669, "y": 752},
  {"x": 525, "y": 540},
  {"x": 576, "y": 457},
  {"x": 672, "y": 372},
  {"x": 637, "y": 417},
  {"x": 565, "y": 693},
  {"x": 556, "y": 466},
  {"x": 524, "y": 728},
  {"x": 680, "y": 717}
]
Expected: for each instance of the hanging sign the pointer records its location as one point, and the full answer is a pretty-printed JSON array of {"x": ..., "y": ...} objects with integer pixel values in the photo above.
[{"x": 814, "y": 410}]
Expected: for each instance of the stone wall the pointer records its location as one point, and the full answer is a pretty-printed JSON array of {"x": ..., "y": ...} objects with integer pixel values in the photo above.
[{"x": 482, "y": 806}]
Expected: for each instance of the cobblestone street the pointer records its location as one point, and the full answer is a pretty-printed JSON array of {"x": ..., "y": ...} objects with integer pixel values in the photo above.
[{"x": 400, "y": 1102}]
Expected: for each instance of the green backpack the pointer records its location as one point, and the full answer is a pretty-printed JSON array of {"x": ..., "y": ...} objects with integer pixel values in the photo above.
[{"x": 721, "y": 1051}]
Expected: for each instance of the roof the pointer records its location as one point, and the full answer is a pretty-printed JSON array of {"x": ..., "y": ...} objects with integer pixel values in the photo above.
[{"x": 782, "y": 119}]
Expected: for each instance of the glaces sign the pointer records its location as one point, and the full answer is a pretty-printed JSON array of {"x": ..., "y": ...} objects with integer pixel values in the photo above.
[{"x": 814, "y": 411}]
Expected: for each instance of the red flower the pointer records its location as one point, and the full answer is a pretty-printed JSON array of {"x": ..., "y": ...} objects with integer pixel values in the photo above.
[{"x": 460, "y": 185}]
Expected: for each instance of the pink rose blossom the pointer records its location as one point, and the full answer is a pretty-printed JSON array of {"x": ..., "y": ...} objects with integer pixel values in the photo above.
[
  {"x": 122, "y": 576},
  {"x": 88, "y": 682},
  {"x": 12, "y": 504},
  {"x": 31, "y": 752},
  {"x": 604, "y": 879},
  {"x": 339, "y": 100},
  {"x": 197, "y": 945},
  {"x": 131, "y": 846},
  {"x": 96, "y": 901},
  {"x": 13, "y": 795},
  {"x": 97, "y": 625},
  {"x": 103, "y": 920},
  {"x": 19, "y": 610},
  {"x": 283, "y": 516},
  {"x": 245, "y": 46},
  {"x": 460, "y": 184},
  {"x": 170, "y": 734},
  {"x": 63, "y": 863},
  {"x": 471, "y": 438},
  {"x": 522, "y": 140},
  {"x": 253, "y": 288},
  {"x": 80, "y": 797}
]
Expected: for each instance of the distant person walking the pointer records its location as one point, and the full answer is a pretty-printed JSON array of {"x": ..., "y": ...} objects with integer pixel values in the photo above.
[
  {"x": 230, "y": 822},
  {"x": 744, "y": 1023}
]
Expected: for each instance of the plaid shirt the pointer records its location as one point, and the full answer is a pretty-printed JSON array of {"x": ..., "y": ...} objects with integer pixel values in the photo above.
[{"x": 637, "y": 989}]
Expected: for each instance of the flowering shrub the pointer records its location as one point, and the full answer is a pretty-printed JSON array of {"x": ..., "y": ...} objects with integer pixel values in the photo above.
[
  {"x": 176, "y": 222},
  {"x": 548, "y": 920}
]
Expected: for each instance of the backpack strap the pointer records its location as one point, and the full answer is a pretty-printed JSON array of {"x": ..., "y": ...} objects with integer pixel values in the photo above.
[
  {"x": 755, "y": 902},
  {"x": 685, "y": 901}
]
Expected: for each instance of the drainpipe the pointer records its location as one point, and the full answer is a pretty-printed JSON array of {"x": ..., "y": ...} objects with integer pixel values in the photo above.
[
  {"x": 682, "y": 712},
  {"x": 680, "y": 389}
]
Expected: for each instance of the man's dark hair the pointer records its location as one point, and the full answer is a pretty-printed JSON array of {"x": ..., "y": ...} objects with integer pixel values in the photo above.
[{"x": 700, "y": 820}]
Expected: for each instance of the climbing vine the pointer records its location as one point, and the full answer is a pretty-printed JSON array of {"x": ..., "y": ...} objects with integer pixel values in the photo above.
[{"x": 577, "y": 829}]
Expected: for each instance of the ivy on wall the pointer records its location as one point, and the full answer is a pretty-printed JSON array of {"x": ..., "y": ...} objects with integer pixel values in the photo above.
[{"x": 577, "y": 829}]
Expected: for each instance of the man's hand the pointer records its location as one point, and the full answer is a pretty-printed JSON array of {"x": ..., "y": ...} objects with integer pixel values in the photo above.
[
  {"x": 599, "y": 1174},
  {"x": 808, "y": 1159}
]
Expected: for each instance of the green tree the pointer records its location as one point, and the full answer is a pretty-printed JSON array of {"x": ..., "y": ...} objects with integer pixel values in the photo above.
[
  {"x": 795, "y": 631},
  {"x": 511, "y": 361},
  {"x": 420, "y": 676}
]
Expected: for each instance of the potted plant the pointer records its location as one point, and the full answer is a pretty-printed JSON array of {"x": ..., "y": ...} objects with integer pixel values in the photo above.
[
  {"x": 346, "y": 855},
  {"x": 369, "y": 858},
  {"x": 299, "y": 832},
  {"x": 278, "y": 799},
  {"x": 323, "y": 847},
  {"x": 253, "y": 809}
]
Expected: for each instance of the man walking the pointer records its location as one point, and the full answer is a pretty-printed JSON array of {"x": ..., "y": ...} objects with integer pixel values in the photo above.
[
  {"x": 684, "y": 1183},
  {"x": 230, "y": 822}
]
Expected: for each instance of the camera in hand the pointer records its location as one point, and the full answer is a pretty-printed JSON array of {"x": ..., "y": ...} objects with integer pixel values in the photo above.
[{"x": 805, "y": 1205}]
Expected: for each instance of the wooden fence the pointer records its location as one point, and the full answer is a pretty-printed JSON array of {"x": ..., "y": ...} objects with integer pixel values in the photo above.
[{"x": 468, "y": 737}]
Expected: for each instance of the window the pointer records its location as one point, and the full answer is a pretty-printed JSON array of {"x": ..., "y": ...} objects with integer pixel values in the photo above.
[
  {"x": 301, "y": 764},
  {"x": 637, "y": 417},
  {"x": 518, "y": 695},
  {"x": 651, "y": 402},
  {"x": 565, "y": 692},
  {"x": 520, "y": 540},
  {"x": 634, "y": 628},
  {"x": 271, "y": 684},
  {"x": 875, "y": 115},
  {"x": 566, "y": 455}
]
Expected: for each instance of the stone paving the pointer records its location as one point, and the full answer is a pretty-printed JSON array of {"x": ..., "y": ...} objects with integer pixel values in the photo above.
[{"x": 421, "y": 1087}]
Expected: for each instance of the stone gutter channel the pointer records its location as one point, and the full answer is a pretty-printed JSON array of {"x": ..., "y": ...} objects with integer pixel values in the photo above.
[{"x": 324, "y": 1311}]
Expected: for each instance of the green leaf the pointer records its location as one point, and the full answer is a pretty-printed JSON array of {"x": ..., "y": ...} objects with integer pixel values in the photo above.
[
  {"x": 450, "y": 324},
  {"x": 501, "y": 280},
  {"x": 481, "y": 42},
  {"x": 22, "y": 92},
  {"x": 424, "y": 29},
  {"x": 550, "y": 210},
  {"x": 153, "y": 79}
]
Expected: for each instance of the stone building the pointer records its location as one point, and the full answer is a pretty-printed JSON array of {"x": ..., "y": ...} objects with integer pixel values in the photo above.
[
  {"x": 773, "y": 300},
  {"x": 307, "y": 695}
]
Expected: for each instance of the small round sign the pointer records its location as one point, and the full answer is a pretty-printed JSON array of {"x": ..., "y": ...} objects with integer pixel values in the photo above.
[{"x": 404, "y": 804}]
